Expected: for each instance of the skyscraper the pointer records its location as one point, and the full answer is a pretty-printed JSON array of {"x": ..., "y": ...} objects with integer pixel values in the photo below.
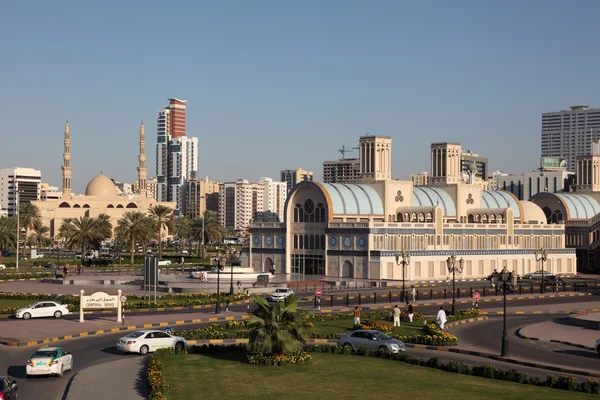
[
  {"x": 569, "y": 133},
  {"x": 176, "y": 154}
]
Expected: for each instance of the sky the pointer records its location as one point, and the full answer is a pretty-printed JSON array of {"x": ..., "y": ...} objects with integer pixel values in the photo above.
[{"x": 275, "y": 85}]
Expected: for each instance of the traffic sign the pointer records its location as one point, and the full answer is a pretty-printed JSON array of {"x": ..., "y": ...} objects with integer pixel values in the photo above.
[
  {"x": 319, "y": 292},
  {"x": 169, "y": 330},
  {"x": 476, "y": 296},
  {"x": 123, "y": 299}
]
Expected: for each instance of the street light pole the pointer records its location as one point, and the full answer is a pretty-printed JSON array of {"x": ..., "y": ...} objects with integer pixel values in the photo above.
[
  {"x": 18, "y": 226},
  {"x": 203, "y": 215},
  {"x": 231, "y": 264},
  {"x": 504, "y": 279},
  {"x": 453, "y": 268},
  {"x": 218, "y": 305},
  {"x": 542, "y": 255},
  {"x": 403, "y": 258}
]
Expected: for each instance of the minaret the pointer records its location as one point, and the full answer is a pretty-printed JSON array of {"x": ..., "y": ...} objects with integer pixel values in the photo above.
[
  {"x": 142, "y": 168},
  {"x": 66, "y": 167}
]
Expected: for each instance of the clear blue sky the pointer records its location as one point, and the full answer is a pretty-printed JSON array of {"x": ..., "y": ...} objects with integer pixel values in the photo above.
[{"x": 274, "y": 85}]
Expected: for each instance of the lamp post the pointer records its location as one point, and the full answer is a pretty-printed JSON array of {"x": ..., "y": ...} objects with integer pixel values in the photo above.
[
  {"x": 503, "y": 279},
  {"x": 218, "y": 305},
  {"x": 403, "y": 258},
  {"x": 231, "y": 251},
  {"x": 18, "y": 226},
  {"x": 541, "y": 255},
  {"x": 451, "y": 263},
  {"x": 203, "y": 215}
]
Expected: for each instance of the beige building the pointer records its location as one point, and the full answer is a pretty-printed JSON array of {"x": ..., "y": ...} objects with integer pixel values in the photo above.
[
  {"x": 355, "y": 230},
  {"x": 201, "y": 195},
  {"x": 294, "y": 176},
  {"x": 341, "y": 171},
  {"x": 420, "y": 179},
  {"x": 100, "y": 195},
  {"x": 48, "y": 192}
]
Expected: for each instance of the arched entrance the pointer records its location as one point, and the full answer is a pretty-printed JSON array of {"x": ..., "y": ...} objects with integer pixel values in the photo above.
[
  {"x": 347, "y": 270},
  {"x": 267, "y": 264}
]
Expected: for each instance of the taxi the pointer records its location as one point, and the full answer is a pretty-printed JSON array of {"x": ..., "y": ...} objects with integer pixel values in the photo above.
[{"x": 49, "y": 361}]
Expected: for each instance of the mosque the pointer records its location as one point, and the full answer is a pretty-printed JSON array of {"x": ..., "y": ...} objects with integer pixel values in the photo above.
[
  {"x": 100, "y": 194},
  {"x": 356, "y": 230}
]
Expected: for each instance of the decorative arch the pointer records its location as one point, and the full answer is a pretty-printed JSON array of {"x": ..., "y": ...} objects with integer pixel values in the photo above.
[
  {"x": 110, "y": 206},
  {"x": 64, "y": 204},
  {"x": 76, "y": 206},
  {"x": 347, "y": 269},
  {"x": 471, "y": 218},
  {"x": 119, "y": 205},
  {"x": 267, "y": 264},
  {"x": 132, "y": 205},
  {"x": 421, "y": 217},
  {"x": 429, "y": 217},
  {"x": 86, "y": 206}
]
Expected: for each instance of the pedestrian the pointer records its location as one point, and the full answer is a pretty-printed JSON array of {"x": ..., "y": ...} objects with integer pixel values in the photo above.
[
  {"x": 356, "y": 316},
  {"x": 494, "y": 274},
  {"x": 79, "y": 270},
  {"x": 396, "y": 315},
  {"x": 410, "y": 312},
  {"x": 273, "y": 269},
  {"x": 414, "y": 294},
  {"x": 182, "y": 261},
  {"x": 441, "y": 318},
  {"x": 57, "y": 273}
]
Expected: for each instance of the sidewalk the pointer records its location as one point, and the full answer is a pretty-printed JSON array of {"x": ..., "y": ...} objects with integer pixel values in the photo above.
[
  {"x": 559, "y": 331},
  {"x": 113, "y": 380}
]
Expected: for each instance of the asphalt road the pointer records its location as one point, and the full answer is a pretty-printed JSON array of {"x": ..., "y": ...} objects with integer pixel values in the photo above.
[{"x": 487, "y": 336}]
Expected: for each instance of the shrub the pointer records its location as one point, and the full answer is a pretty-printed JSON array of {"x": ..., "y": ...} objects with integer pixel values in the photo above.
[
  {"x": 464, "y": 314},
  {"x": 295, "y": 357}
]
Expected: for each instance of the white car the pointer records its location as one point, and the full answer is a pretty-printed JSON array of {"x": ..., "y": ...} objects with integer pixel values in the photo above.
[
  {"x": 164, "y": 262},
  {"x": 148, "y": 340},
  {"x": 49, "y": 361},
  {"x": 280, "y": 294},
  {"x": 2, "y": 266},
  {"x": 42, "y": 309}
]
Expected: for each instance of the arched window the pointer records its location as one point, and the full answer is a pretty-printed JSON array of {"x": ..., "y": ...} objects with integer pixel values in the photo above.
[
  {"x": 300, "y": 214},
  {"x": 76, "y": 206},
  {"x": 295, "y": 241},
  {"x": 110, "y": 206},
  {"x": 64, "y": 204},
  {"x": 500, "y": 218},
  {"x": 119, "y": 205},
  {"x": 492, "y": 219},
  {"x": 555, "y": 185},
  {"x": 421, "y": 217},
  {"x": 471, "y": 219},
  {"x": 322, "y": 241},
  {"x": 306, "y": 241},
  {"x": 477, "y": 218},
  {"x": 311, "y": 242},
  {"x": 301, "y": 245},
  {"x": 86, "y": 206},
  {"x": 132, "y": 205},
  {"x": 429, "y": 217},
  {"x": 297, "y": 213},
  {"x": 413, "y": 217},
  {"x": 322, "y": 213}
]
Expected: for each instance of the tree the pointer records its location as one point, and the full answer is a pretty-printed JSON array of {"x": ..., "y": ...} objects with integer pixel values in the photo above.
[
  {"x": 213, "y": 231},
  {"x": 8, "y": 227},
  {"x": 29, "y": 216},
  {"x": 162, "y": 218},
  {"x": 40, "y": 236},
  {"x": 183, "y": 230},
  {"x": 276, "y": 328},
  {"x": 134, "y": 227},
  {"x": 104, "y": 225},
  {"x": 84, "y": 233}
]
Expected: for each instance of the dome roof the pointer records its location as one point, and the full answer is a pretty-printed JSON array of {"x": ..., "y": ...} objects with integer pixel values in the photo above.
[
  {"x": 101, "y": 186},
  {"x": 532, "y": 213}
]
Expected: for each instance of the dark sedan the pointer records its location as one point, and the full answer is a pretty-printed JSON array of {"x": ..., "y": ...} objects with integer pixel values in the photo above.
[{"x": 8, "y": 388}]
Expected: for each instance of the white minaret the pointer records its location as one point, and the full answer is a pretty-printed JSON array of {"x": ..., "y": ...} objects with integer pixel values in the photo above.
[
  {"x": 66, "y": 167},
  {"x": 142, "y": 167}
]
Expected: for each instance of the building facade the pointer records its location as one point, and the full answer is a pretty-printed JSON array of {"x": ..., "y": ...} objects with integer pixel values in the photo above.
[
  {"x": 528, "y": 184},
  {"x": 274, "y": 197},
  {"x": 48, "y": 192},
  {"x": 468, "y": 157},
  {"x": 341, "y": 171},
  {"x": 292, "y": 177},
  {"x": 27, "y": 181},
  {"x": 183, "y": 165},
  {"x": 201, "y": 195},
  {"x": 420, "y": 179},
  {"x": 569, "y": 133},
  {"x": 355, "y": 230},
  {"x": 238, "y": 203}
]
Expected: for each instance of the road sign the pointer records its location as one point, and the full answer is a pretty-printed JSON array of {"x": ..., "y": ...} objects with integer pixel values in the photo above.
[
  {"x": 319, "y": 292},
  {"x": 123, "y": 299},
  {"x": 169, "y": 330},
  {"x": 476, "y": 296}
]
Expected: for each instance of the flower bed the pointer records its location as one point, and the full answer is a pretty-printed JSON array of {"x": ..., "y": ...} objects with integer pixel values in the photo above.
[
  {"x": 156, "y": 380},
  {"x": 432, "y": 336},
  {"x": 230, "y": 330},
  {"x": 277, "y": 360},
  {"x": 463, "y": 314},
  {"x": 24, "y": 275},
  {"x": 375, "y": 326}
]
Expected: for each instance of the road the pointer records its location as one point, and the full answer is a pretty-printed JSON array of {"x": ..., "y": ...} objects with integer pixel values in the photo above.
[{"x": 487, "y": 336}]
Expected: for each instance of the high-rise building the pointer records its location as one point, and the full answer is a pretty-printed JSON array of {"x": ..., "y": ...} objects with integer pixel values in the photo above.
[
  {"x": 274, "y": 196},
  {"x": 150, "y": 187},
  {"x": 27, "y": 181},
  {"x": 467, "y": 157},
  {"x": 201, "y": 195},
  {"x": 294, "y": 176},
  {"x": 341, "y": 171},
  {"x": 176, "y": 154},
  {"x": 568, "y": 134},
  {"x": 239, "y": 202},
  {"x": 48, "y": 192}
]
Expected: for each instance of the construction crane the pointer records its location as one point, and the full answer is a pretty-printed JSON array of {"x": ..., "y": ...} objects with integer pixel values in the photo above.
[{"x": 344, "y": 151}]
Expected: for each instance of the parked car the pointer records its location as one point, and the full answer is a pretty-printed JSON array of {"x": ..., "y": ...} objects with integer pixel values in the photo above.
[
  {"x": 2, "y": 266},
  {"x": 78, "y": 255},
  {"x": 185, "y": 252},
  {"x": 42, "y": 309},
  {"x": 538, "y": 275},
  {"x": 8, "y": 388},
  {"x": 280, "y": 294},
  {"x": 164, "y": 262},
  {"x": 148, "y": 340},
  {"x": 49, "y": 361},
  {"x": 374, "y": 340}
]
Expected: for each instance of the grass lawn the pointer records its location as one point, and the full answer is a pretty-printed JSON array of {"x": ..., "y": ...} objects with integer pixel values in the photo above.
[
  {"x": 346, "y": 325},
  {"x": 16, "y": 303},
  {"x": 334, "y": 376}
]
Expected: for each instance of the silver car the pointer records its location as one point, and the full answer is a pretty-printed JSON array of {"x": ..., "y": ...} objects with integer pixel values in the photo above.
[
  {"x": 374, "y": 340},
  {"x": 538, "y": 275}
]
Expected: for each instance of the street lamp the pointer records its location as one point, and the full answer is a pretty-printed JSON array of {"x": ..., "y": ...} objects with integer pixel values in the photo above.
[
  {"x": 18, "y": 226},
  {"x": 203, "y": 215},
  {"x": 541, "y": 255},
  {"x": 453, "y": 268},
  {"x": 403, "y": 258},
  {"x": 218, "y": 305},
  {"x": 231, "y": 251},
  {"x": 503, "y": 278}
]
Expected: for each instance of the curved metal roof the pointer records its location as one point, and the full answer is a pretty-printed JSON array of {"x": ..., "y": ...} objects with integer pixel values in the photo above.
[
  {"x": 580, "y": 205},
  {"x": 353, "y": 199},
  {"x": 500, "y": 199},
  {"x": 427, "y": 196}
]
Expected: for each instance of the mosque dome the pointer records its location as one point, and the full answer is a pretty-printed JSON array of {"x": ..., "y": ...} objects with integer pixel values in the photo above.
[{"x": 101, "y": 186}]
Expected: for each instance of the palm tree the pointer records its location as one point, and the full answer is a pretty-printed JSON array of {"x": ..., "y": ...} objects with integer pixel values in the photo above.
[
  {"x": 276, "y": 328},
  {"x": 104, "y": 225},
  {"x": 213, "y": 231},
  {"x": 183, "y": 230},
  {"x": 162, "y": 217},
  {"x": 29, "y": 216},
  {"x": 39, "y": 237},
  {"x": 134, "y": 227},
  {"x": 84, "y": 234},
  {"x": 8, "y": 226}
]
